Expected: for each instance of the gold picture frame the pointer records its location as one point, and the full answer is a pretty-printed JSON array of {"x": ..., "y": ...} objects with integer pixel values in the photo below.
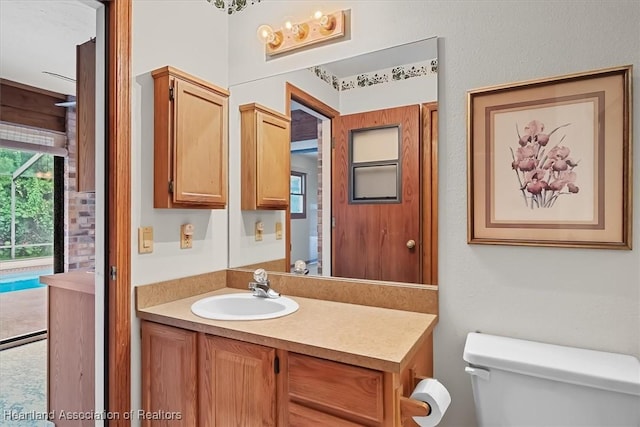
[{"x": 550, "y": 161}]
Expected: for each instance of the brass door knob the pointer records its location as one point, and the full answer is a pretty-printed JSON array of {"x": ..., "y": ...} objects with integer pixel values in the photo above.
[{"x": 411, "y": 244}]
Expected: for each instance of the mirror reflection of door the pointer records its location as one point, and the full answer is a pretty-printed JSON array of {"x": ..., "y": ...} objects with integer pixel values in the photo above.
[
  {"x": 377, "y": 195},
  {"x": 306, "y": 186}
]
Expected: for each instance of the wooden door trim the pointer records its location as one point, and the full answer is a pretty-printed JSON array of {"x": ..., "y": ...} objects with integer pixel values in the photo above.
[
  {"x": 294, "y": 93},
  {"x": 118, "y": 209},
  {"x": 430, "y": 193}
]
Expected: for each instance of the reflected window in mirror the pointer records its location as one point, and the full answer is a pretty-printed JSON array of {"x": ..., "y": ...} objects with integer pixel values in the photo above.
[
  {"x": 298, "y": 195},
  {"x": 375, "y": 165}
]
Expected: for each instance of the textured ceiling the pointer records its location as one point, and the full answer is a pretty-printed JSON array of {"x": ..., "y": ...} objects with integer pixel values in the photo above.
[{"x": 37, "y": 36}]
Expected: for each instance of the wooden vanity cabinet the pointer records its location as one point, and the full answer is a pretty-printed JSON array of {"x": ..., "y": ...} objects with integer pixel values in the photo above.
[
  {"x": 169, "y": 374},
  {"x": 317, "y": 392},
  {"x": 323, "y": 392},
  {"x": 265, "y": 158},
  {"x": 237, "y": 383},
  {"x": 70, "y": 346},
  {"x": 190, "y": 141},
  {"x": 209, "y": 380},
  {"x": 216, "y": 382}
]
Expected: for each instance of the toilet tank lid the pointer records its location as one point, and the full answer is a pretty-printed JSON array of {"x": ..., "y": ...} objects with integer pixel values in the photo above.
[{"x": 599, "y": 369}]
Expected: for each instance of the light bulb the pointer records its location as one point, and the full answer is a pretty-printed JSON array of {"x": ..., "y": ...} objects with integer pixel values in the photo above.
[
  {"x": 300, "y": 31},
  {"x": 327, "y": 23},
  {"x": 318, "y": 14},
  {"x": 268, "y": 36},
  {"x": 265, "y": 33},
  {"x": 288, "y": 24}
]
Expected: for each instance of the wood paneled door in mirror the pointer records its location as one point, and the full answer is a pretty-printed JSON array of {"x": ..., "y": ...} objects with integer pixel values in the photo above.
[{"x": 376, "y": 195}]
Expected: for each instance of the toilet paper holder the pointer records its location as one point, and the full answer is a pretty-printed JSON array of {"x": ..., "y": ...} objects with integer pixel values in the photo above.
[{"x": 410, "y": 408}]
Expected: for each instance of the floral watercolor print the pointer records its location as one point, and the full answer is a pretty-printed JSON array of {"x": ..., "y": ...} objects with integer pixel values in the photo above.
[
  {"x": 550, "y": 162},
  {"x": 544, "y": 164}
]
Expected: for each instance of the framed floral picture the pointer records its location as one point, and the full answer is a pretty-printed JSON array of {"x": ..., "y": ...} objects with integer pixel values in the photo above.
[{"x": 550, "y": 162}]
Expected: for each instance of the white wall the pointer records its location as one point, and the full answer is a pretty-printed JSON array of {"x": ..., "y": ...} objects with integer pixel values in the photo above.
[
  {"x": 586, "y": 298},
  {"x": 416, "y": 90},
  {"x": 190, "y": 35},
  {"x": 243, "y": 249},
  {"x": 372, "y": 28},
  {"x": 303, "y": 228}
]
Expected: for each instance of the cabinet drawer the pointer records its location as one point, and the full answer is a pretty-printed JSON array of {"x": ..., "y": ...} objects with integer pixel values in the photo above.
[
  {"x": 301, "y": 416},
  {"x": 343, "y": 390}
]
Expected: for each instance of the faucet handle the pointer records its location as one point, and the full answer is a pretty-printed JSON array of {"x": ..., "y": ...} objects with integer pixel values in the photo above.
[{"x": 260, "y": 275}]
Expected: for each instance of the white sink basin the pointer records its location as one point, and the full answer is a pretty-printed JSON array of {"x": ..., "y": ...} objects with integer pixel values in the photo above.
[{"x": 243, "y": 306}]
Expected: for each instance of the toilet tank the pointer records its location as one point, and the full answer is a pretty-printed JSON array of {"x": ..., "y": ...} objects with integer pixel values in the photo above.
[{"x": 524, "y": 383}]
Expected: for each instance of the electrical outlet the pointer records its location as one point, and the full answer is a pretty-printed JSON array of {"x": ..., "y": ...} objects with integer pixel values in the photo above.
[
  {"x": 145, "y": 240},
  {"x": 186, "y": 236},
  {"x": 259, "y": 230},
  {"x": 278, "y": 231}
]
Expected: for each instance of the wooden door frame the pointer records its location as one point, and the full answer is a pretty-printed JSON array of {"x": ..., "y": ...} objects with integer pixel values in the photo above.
[
  {"x": 118, "y": 213},
  {"x": 429, "y": 178},
  {"x": 293, "y": 93}
]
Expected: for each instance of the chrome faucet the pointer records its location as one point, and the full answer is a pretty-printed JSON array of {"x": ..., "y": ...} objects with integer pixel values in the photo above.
[{"x": 260, "y": 286}]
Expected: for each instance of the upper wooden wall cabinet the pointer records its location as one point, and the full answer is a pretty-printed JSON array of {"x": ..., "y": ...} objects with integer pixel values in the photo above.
[
  {"x": 266, "y": 153},
  {"x": 86, "y": 116},
  {"x": 191, "y": 138}
]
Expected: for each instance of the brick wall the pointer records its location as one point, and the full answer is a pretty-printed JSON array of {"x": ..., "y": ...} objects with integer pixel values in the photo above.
[{"x": 80, "y": 208}]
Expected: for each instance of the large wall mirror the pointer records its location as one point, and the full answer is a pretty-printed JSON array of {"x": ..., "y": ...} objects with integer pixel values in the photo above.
[{"x": 363, "y": 193}]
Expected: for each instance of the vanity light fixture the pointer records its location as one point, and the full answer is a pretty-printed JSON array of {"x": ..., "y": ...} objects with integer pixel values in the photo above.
[
  {"x": 272, "y": 39},
  {"x": 321, "y": 27}
]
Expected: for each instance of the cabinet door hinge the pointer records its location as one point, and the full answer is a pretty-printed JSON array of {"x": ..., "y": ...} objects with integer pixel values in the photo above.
[
  {"x": 276, "y": 365},
  {"x": 333, "y": 142},
  {"x": 171, "y": 186},
  {"x": 113, "y": 272},
  {"x": 171, "y": 93}
]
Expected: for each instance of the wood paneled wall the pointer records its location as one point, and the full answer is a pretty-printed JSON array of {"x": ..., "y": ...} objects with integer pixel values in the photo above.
[{"x": 31, "y": 106}]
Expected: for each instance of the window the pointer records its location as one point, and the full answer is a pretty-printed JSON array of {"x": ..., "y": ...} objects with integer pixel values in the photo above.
[
  {"x": 298, "y": 196},
  {"x": 374, "y": 162}
]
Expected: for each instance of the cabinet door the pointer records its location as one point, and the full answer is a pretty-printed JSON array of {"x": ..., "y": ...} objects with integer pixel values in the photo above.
[
  {"x": 237, "y": 383},
  {"x": 200, "y": 148},
  {"x": 169, "y": 375},
  {"x": 86, "y": 116},
  {"x": 273, "y": 150}
]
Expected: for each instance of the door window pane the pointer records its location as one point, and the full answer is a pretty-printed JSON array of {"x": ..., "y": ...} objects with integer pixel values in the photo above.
[
  {"x": 374, "y": 163},
  {"x": 375, "y": 182},
  {"x": 372, "y": 145}
]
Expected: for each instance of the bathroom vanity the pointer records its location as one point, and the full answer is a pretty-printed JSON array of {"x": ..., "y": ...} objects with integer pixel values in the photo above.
[{"x": 329, "y": 363}]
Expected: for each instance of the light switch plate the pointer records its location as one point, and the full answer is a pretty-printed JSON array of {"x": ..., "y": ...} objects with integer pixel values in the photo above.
[
  {"x": 278, "y": 231},
  {"x": 145, "y": 240}
]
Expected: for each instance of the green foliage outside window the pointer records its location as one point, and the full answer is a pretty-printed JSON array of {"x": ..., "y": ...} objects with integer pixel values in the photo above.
[{"x": 33, "y": 204}]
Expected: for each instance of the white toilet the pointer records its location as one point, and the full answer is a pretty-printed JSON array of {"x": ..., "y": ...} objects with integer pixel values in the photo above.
[{"x": 524, "y": 383}]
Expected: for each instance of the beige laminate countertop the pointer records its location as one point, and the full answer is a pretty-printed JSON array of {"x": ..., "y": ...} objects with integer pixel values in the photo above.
[
  {"x": 372, "y": 337},
  {"x": 77, "y": 280}
]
